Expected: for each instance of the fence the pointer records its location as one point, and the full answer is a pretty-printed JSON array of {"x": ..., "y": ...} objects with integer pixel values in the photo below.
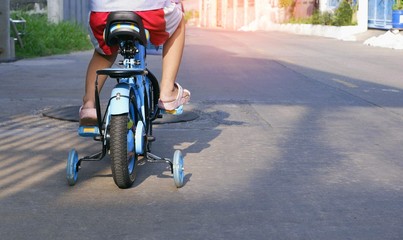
[
  {"x": 76, "y": 11},
  {"x": 68, "y": 10},
  {"x": 26, "y": 4},
  {"x": 380, "y": 14}
]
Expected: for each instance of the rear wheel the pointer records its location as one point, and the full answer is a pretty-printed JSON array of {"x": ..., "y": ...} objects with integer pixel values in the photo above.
[
  {"x": 151, "y": 100},
  {"x": 154, "y": 89},
  {"x": 122, "y": 147},
  {"x": 148, "y": 124}
]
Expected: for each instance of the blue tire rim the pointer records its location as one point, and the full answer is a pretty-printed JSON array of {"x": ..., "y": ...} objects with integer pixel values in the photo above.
[{"x": 72, "y": 162}]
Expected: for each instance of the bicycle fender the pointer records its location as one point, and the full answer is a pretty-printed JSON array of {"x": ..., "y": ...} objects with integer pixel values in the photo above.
[{"x": 120, "y": 99}]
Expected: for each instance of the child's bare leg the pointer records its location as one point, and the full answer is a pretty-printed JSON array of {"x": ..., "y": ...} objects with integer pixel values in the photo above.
[
  {"x": 97, "y": 62},
  {"x": 171, "y": 60}
]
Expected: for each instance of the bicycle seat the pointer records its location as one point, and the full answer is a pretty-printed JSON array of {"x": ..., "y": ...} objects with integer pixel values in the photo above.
[{"x": 123, "y": 26}]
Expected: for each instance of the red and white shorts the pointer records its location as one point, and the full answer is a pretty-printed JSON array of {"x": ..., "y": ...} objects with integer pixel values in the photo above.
[{"x": 161, "y": 24}]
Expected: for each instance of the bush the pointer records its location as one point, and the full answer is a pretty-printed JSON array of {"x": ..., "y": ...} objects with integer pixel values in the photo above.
[
  {"x": 285, "y": 3},
  {"x": 343, "y": 14},
  {"x": 325, "y": 18},
  {"x": 43, "y": 38}
]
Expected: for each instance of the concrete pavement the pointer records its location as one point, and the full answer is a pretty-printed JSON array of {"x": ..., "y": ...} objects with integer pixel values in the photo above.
[{"x": 297, "y": 138}]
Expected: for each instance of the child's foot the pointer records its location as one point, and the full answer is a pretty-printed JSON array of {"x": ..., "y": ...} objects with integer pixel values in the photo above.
[
  {"x": 88, "y": 116},
  {"x": 182, "y": 98}
]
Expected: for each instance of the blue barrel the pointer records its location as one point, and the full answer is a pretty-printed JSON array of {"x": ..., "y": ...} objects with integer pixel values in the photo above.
[{"x": 397, "y": 19}]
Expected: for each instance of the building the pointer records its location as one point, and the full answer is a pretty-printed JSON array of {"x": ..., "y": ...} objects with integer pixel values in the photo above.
[{"x": 263, "y": 14}]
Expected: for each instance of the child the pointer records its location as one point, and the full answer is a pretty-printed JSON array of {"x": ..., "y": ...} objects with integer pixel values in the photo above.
[{"x": 165, "y": 23}]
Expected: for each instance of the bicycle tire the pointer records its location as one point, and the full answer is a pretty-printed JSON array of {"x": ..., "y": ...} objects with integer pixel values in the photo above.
[
  {"x": 155, "y": 90},
  {"x": 151, "y": 100},
  {"x": 148, "y": 122},
  {"x": 123, "y": 156}
]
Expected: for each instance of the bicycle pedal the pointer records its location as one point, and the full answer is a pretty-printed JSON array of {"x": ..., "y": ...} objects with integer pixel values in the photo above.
[
  {"x": 150, "y": 138},
  {"x": 177, "y": 111},
  {"x": 88, "y": 131}
]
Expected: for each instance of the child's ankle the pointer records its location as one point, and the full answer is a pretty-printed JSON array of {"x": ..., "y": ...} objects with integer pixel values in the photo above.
[{"x": 88, "y": 104}]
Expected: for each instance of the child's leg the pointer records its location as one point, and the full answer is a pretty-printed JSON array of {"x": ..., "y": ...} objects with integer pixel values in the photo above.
[
  {"x": 97, "y": 62},
  {"x": 171, "y": 60},
  {"x": 170, "y": 30}
]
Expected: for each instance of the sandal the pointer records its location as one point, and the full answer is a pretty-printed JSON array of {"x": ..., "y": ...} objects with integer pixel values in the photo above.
[
  {"x": 182, "y": 98},
  {"x": 88, "y": 116}
]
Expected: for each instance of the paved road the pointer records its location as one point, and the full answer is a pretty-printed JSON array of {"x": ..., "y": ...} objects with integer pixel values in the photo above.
[{"x": 298, "y": 138}]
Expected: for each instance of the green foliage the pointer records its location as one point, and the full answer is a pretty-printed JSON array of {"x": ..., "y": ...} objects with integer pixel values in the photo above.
[
  {"x": 341, "y": 17},
  {"x": 285, "y": 3},
  {"x": 398, "y": 5},
  {"x": 343, "y": 14},
  {"x": 325, "y": 18},
  {"x": 43, "y": 38}
]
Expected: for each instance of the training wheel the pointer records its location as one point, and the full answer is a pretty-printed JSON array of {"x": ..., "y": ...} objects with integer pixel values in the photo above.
[
  {"x": 72, "y": 167},
  {"x": 139, "y": 137},
  {"x": 178, "y": 170}
]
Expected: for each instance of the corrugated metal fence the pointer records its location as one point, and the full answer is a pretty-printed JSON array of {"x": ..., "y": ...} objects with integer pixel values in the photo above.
[
  {"x": 380, "y": 14},
  {"x": 76, "y": 11}
]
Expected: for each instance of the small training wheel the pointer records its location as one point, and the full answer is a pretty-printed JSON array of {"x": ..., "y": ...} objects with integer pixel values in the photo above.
[
  {"x": 72, "y": 167},
  {"x": 139, "y": 137},
  {"x": 177, "y": 168}
]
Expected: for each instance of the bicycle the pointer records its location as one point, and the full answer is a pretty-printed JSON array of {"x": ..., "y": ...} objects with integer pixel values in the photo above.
[{"x": 125, "y": 130}]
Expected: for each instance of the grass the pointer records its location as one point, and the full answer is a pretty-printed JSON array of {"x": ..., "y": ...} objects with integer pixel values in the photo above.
[
  {"x": 344, "y": 15},
  {"x": 42, "y": 38}
]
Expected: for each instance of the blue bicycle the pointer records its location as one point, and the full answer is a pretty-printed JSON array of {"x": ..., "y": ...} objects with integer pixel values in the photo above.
[{"x": 125, "y": 129}]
